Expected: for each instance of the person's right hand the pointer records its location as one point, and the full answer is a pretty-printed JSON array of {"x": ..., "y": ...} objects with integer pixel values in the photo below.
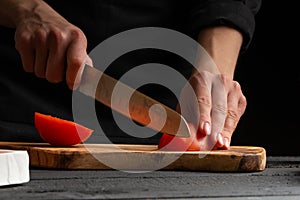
[{"x": 50, "y": 46}]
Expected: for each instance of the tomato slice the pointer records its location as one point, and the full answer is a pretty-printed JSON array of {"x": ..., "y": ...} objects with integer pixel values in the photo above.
[
  {"x": 60, "y": 132},
  {"x": 174, "y": 143}
]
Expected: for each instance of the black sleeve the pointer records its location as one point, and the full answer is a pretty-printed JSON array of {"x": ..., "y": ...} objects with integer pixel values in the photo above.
[{"x": 239, "y": 14}]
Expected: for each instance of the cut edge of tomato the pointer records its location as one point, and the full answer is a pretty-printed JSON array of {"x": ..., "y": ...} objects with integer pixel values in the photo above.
[{"x": 59, "y": 123}]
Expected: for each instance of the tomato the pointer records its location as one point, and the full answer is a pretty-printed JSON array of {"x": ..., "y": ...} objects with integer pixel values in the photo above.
[
  {"x": 60, "y": 132},
  {"x": 174, "y": 143}
]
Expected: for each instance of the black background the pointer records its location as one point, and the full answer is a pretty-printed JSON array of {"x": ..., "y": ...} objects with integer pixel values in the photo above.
[
  {"x": 269, "y": 75},
  {"x": 270, "y": 78}
]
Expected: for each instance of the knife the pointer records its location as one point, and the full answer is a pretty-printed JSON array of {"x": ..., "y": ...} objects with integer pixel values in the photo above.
[{"x": 100, "y": 86}]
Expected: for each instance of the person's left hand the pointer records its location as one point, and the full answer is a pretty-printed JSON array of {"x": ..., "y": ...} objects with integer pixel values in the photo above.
[{"x": 214, "y": 103}]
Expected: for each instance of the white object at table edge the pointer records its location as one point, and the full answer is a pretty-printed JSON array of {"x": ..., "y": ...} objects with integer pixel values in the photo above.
[{"x": 14, "y": 167}]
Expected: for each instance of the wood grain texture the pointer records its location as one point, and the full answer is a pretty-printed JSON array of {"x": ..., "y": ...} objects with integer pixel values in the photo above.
[{"x": 141, "y": 157}]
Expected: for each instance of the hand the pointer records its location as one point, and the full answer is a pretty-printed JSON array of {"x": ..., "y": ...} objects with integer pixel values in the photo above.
[
  {"x": 50, "y": 46},
  {"x": 214, "y": 103}
]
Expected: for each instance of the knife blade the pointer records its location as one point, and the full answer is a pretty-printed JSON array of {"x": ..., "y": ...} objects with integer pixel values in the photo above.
[{"x": 100, "y": 86}]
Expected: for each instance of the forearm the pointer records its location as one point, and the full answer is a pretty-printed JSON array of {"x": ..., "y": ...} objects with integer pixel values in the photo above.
[{"x": 223, "y": 44}]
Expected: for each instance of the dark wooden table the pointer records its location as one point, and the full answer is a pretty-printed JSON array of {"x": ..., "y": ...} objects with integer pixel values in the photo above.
[{"x": 280, "y": 180}]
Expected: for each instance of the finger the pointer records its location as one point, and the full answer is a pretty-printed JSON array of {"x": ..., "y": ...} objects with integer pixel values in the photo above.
[
  {"x": 233, "y": 113},
  {"x": 219, "y": 109},
  {"x": 25, "y": 47},
  {"x": 56, "y": 59},
  {"x": 202, "y": 86},
  {"x": 186, "y": 106},
  {"x": 76, "y": 58},
  {"x": 41, "y": 54}
]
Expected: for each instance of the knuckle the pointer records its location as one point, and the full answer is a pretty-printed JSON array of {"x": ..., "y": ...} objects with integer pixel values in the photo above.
[
  {"x": 40, "y": 36},
  {"x": 236, "y": 85},
  {"x": 220, "y": 108},
  {"x": 193, "y": 75},
  {"x": 231, "y": 121},
  {"x": 22, "y": 40},
  {"x": 204, "y": 100},
  {"x": 23, "y": 37},
  {"x": 197, "y": 80},
  {"x": 57, "y": 36},
  {"x": 76, "y": 33},
  {"x": 196, "y": 77},
  {"x": 193, "y": 80},
  {"x": 232, "y": 114}
]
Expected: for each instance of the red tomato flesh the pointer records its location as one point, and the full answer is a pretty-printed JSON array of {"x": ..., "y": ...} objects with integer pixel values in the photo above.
[
  {"x": 174, "y": 143},
  {"x": 60, "y": 132}
]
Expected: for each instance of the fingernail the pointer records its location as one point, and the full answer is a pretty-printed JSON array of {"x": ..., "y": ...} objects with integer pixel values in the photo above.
[
  {"x": 220, "y": 139},
  {"x": 206, "y": 128},
  {"x": 226, "y": 143}
]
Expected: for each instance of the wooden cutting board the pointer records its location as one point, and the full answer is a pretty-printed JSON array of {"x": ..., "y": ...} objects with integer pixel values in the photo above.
[{"x": 141, "y": 157}]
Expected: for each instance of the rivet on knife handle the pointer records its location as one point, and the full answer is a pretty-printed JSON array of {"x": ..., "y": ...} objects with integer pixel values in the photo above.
[{"x": 100, "y": 86}]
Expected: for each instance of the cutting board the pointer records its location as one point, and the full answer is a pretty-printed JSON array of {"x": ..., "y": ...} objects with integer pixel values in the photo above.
[{"x": 141, "y": 157}]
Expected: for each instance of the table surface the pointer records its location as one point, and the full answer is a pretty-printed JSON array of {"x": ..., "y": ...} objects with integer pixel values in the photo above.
[{"x": 280, "y": 180}]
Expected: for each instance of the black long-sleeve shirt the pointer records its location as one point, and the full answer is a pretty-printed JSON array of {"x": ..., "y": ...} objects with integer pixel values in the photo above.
[{"x": 22, "y": 94}]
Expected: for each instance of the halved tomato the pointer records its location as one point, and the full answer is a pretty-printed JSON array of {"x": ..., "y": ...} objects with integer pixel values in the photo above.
[
  {"x": 60, "y": 132},
  {"x": 174, "y": 143}
]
